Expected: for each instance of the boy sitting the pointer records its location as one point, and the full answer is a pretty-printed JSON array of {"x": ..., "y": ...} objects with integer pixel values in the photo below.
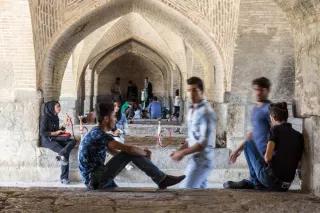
[
  {"x": 92, "y": 154},
  {"x": 277, "y": 169}
]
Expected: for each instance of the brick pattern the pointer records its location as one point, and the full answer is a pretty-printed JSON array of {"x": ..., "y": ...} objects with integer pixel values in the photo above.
[
  {"x": 17, "y": 60},
  {"x": 264, "y": 48}
]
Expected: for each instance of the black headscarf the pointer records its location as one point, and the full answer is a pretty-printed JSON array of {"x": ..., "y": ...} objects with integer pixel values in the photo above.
[{"x": 50, "y": 112}]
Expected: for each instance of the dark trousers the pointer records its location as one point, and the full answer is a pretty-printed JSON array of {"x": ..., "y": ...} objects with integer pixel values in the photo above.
[
  {"x": 103, "y": 177},
  {"x": 176, "y": 112},
  {"x": 63, "y": 148},
  {"x": 260, "y": 172}
]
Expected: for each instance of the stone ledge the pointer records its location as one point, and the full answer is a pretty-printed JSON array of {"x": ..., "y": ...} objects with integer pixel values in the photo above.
[{"x": 152, "y": 200}]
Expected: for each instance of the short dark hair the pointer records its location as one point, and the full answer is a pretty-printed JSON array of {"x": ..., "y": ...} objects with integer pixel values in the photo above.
[
  {"x": 104, "y": 109},
  {"x": 177, "y": 92},
  {"x": 117, "y": 79},
  {"x": 155, "y": 98},
  {"x": 262, "y": 82},
  {"x": 196, "y": 81},
  {"x": 279, "y": 111}
]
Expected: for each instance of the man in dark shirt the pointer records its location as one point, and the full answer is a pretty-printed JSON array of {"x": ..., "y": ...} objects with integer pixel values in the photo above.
[
  {"x": 92, "y": 155},
  {"x": 276, "y": 170},
  {"x": 285, "y": 146}
]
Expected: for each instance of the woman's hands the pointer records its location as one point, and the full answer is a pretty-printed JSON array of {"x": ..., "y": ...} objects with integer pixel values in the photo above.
[{"x": 57, "y": 133}]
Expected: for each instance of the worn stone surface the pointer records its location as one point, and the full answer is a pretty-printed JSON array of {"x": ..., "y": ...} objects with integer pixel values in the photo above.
[
  {"x": 225, "y": 42},
  {"x": 151, "y": 200},
  {"x": 311, "y": 158}
]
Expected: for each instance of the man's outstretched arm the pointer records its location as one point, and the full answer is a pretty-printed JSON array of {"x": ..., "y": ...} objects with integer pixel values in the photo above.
[{"x": 115, "y": 146}]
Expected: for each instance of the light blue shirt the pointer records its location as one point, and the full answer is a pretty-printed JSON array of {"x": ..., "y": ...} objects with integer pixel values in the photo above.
[
  {"x": 260, "y": 120},
  {"x": 202, "y": 128},
  {"x": 155, "y": 109}
]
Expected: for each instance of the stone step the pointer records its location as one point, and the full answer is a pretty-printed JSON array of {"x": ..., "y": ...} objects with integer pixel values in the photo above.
[
  {"x": 160, "y": 157},
  {"x": 150, "y": 130},
  {"x": 155, "y": 122}
]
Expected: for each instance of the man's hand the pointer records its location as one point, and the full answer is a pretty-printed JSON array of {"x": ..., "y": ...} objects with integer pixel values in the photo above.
[
  {"x": 177, "y": 155},
  {"x": 116, "y": 133},
  {"x": 234, "y": 155},
  {"x": 148, "y": 153},
  {"x": 183, "y": 145}
]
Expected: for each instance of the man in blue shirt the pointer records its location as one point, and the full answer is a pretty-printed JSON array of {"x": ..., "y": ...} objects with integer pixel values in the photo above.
[
  {"x": 260, "y": 121},
  {"x": 154, "y": 108},
  {"x": 201, "y": 137},
  {"x": 92, "y": 155}
]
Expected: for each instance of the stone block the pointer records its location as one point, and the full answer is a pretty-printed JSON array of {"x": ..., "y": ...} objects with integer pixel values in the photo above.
[{"x": 236, "y": 121}]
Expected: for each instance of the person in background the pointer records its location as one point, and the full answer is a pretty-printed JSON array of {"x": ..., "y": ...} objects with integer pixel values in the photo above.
[
  {"x": 277, "y": 168},
  {"x": 95, "y": 145},
  {"x": 135, "y": 112},
  {"x": 201, "y": 138},
  {"x": 121, "y": 126},
  {"x": 144, "y": 98},
  {"x": 177, "y": 102},
  {"x": 148, "y": 89},
  {"x": 132, "y": 92},
  {"x": 154, "y": 108},
  {"x": 55, "y": 138},
  {"x": 116, "y": 90},
  {"x": 259, "y": 134}
]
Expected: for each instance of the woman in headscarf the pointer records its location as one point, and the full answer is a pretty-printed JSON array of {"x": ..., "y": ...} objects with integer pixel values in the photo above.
[
  {"x": 53, "y": 138},
  {"x": 121, "y": 127}
]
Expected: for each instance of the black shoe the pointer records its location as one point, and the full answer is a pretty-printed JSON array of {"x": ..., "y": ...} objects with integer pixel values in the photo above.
[
  {"x": 260, "y": 187},
  {"x": 244, "y": 184},
  {"x": 170, "y": 181}
]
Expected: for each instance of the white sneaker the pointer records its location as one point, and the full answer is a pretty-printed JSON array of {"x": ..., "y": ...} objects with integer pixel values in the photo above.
[{"x": 129, "y": 167}]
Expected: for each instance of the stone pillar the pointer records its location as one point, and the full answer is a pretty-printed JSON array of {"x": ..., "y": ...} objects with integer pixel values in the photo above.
[
  {"x": 95, "y": 89},
  {"x": 221, "y": 110},
  {"x": 88, "y": 89},
  {"x": 311, "y": 157}
]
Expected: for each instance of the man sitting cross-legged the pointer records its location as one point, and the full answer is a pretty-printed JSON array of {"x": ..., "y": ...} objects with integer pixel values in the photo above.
[
  {"x": 92, "y": 154},
  {"x": 276, "y": 170}
]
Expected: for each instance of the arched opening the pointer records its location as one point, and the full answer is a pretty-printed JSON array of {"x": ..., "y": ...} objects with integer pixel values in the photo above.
[
  {"x": 130, "y": 67},
  {"x": 205, "y": 47}
]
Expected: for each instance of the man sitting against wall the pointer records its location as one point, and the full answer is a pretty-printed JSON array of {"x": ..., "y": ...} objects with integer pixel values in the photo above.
[{"x": 276, "y": 169}]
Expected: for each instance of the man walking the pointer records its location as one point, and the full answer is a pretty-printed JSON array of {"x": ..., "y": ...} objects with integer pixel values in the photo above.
[{"x": 201, "y": 137}]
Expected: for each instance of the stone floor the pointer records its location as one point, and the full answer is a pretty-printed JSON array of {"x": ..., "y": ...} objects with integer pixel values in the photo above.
[{"x": 152, "y": 200}]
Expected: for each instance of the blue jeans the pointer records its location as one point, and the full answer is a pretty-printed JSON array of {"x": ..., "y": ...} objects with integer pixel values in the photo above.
[
  {"x": 197, "y": 172},
  {"x": 260, "y": 171},
  {"x": 103, "y": 177}
]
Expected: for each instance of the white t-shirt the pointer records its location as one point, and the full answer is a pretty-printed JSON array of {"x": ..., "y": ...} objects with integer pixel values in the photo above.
[{"x": 177, "y": 101}]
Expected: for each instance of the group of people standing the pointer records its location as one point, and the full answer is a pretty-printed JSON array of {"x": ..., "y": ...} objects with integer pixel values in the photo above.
[
  {"x": 144, "y": 105},
  {"x": 132, "y": 92},
  {"x": 272, "y": 149}
]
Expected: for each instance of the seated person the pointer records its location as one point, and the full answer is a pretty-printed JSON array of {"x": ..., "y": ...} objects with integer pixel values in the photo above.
[
  {"x": 276, "y": 170},
  {"x": 121, "y": 127},
  {"x": 154, "y": 108},
  {"x": 55, "y": 138},
  {"x": 92, "y": 154},
  {"x": 135, "y": 112}
]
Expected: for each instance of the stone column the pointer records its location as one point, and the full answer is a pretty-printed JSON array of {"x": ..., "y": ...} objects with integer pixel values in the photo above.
[
  {"x": 88, "y": 90},
  {"x": 311, "y": 157}
]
